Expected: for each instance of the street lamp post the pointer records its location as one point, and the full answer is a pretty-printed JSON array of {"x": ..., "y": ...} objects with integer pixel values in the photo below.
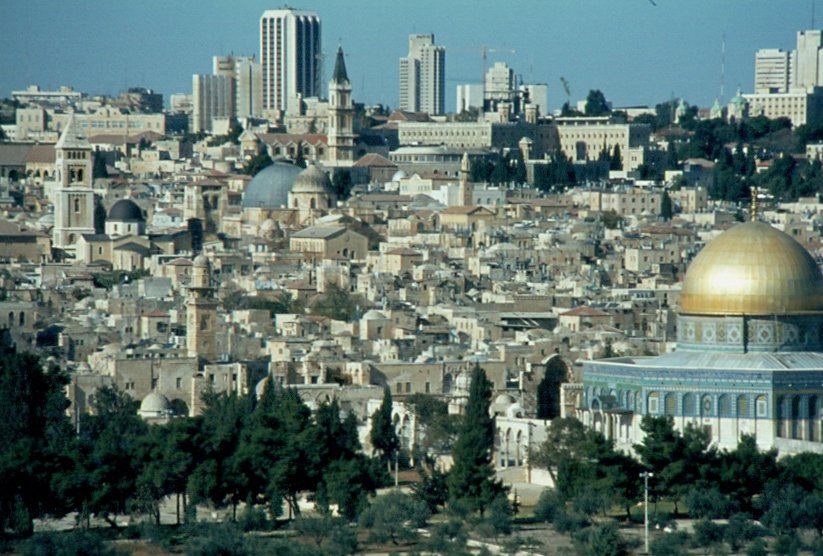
[{"x": 646, "y": 475}]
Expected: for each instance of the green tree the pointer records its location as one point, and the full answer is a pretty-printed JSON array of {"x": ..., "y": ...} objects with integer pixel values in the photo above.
[
  {"x": 666, "y": 208},
  {"x": 437, "y": 429},
  {"x": 707, "y": 534},
  {"x": 746, "y": 470},
  {"x": 680, "y": 462},
  {"x": 471, "y": 480},
  {"x": 109, "y": 456},
  {"x": 616, "y": 161},
  {"x": 341, "y": 184},
  {"x": 671, "y": 544},
  {"x": 260, "y": 161},
  {"x": 383, "y": 436},
  {"x": 596, "y": 103},
  {"x": 337, "y": 303},
  {"x": 394, "y": 517},
  {"x": 33, "y": 438},
  {"x": 215, "y": 478},
  {"x": 600, "y": 540}
]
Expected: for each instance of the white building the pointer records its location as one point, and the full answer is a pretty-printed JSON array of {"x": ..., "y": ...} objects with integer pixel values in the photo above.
[
  {"x": 290, "y": 56},
  {"x": 423, "y": 76},
  {"x": 772, "y": 71},
  {"x": 498, "y": 85},
  {"x": 469, "y": 95},
  {"x": 806, "y": 66}
]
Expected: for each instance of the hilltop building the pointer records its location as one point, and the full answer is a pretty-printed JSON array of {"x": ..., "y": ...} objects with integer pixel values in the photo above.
[{"x": 749, "y": 356}]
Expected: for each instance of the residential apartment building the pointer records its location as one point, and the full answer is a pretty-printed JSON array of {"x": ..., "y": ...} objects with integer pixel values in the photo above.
[
  {"x": 213, "y": 98},
  {"x": 290, "y": 57},
  {"x": 423, "y": 76}
]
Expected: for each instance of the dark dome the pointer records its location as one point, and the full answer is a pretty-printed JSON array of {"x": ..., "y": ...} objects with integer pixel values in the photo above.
[
  {"x": 125, "y": 210},
  {"x": 312, "y": 180},
  {"x": 269, "y": 189}
]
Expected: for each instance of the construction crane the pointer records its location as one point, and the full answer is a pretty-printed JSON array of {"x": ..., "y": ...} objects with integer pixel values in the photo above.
[{"x": 566, "y": 87}]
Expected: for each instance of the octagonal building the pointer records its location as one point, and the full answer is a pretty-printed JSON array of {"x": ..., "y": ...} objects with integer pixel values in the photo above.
[{"x": 749, "y": 357}]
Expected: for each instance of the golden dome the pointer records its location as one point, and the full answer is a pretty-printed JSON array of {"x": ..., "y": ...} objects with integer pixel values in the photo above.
[{"x": 752, "y": 269}]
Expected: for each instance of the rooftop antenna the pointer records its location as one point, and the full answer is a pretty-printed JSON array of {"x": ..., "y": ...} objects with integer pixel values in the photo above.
[
  {"x": 722, "y": 67},
  {"x": 812, "y": 27}
]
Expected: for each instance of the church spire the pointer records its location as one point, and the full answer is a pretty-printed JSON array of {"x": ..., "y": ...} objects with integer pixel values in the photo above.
[{"x": 340, "y": 75}]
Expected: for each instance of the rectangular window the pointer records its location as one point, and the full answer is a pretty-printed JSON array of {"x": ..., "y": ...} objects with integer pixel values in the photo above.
[
  {"x": 408, "y": 387},
  {"x": 652, "y": 406},
  {"x": 428, "y": 387},
  {"x": 179, "y": 382},
  {"x": 761, "y": 408}
]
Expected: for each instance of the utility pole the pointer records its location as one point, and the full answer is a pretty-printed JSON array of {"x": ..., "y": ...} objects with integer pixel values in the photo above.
[{"x": 646, "y": 475}]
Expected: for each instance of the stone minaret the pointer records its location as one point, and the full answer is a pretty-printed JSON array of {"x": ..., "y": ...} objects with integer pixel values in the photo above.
[
  {"x": 464, "y": 192},
  {"x": 201, "y": 313}
]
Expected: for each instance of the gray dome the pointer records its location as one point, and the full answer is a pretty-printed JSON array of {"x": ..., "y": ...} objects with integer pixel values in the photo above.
[
  {"x": 269, "y": 189},
  {"x": 312, "y": 180},
  {"x": 155, "y": 402},
  {"x": 125, "y": 210}
]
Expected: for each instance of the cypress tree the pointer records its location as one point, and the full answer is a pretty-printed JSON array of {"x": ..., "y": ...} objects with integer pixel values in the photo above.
[
  {"x": 472, "y": 484},
  {"x": 383, "y": 436}
]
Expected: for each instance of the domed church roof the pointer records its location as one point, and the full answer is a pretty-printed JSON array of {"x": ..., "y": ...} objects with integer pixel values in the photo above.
[
  {"x": 752, "y": 269},
  {"x": 155, "y": 402},
  {"x": 125, "y": 210},
  {"x": 269, "y": 189},
  {"x": 312, "y": 180}
]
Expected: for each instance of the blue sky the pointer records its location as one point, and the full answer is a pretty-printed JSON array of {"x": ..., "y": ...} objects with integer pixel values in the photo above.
[{"x": 636, "y": 52}]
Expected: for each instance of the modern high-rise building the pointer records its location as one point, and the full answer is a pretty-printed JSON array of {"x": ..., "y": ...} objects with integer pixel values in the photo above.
[
  {"x": 290, "y": 56},
  {"x": 423, "y": 76},
  {"x": 212, "y": 97},
  {"x": 772, "y": 71},
  {"x": 806, "y": 64},
  {"x": 248, "y": 87}
]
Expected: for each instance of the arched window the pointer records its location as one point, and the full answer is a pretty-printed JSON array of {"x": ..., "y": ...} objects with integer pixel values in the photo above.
[
  {"x": 742, "y": 406},
  {"x": 671, "y": 404},
  {"x": 724, "y": 406},
  {"x": 689, "y": 405},
  {"x": 706, "y": 405},
  {"x": 653, "y": 403},
  {"x": 76, "y": 205},
  {"x": 761, "y": 407}
]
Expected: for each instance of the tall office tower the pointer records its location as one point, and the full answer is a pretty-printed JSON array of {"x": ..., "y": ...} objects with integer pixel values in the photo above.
[
  {"x": 806, "y": 63},
  {"x": 771, "y": 71},
  {"x": 246, "y": 85},
  {"x": 341, "y": 115},
  {"x": 290, "y": 56},
  {"x": 212, "y": 97},
  {"x": 423, "y": 76}
]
